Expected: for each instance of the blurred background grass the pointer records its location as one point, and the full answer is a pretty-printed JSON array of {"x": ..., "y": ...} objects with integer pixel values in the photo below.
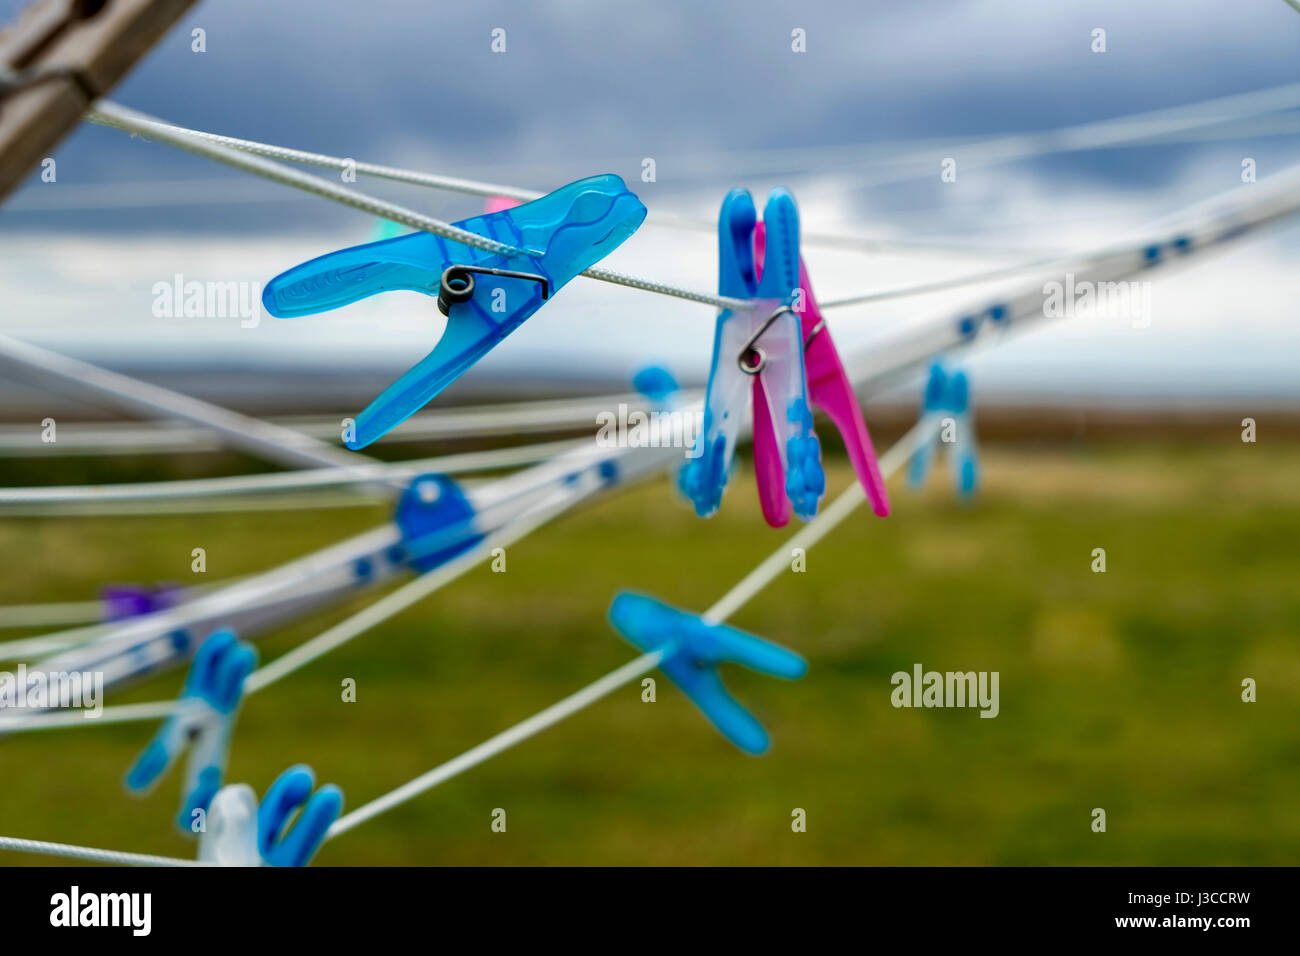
[{"x": 1118, "y": 690}]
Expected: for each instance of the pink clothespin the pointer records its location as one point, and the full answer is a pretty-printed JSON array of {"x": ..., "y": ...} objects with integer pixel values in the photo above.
[
  {"x": 499, "y": 204},
  {"x": 830, "y": 390}
]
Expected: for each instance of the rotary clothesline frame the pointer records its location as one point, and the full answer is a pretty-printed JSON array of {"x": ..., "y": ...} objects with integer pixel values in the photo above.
[{"x": 254, "y": 434}]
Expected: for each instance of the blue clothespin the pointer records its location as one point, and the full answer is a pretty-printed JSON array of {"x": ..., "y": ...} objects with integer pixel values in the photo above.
[
  {"x": 693, "y": 648},
  {"x": 437, "y": 522},
  {"x": 948, "y": 396},
  {"x": 295, "y": 845},
  {"x": 758, "y": 349},
  {"x": 239, "y": 832},
  {"x": 484, "y": 295},
  {"x": 209, "y": 701}
]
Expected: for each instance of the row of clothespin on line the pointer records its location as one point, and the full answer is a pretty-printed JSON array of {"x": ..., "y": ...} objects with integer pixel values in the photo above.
[
  {"x": 775, "y": 348},
  {"x": 435, "y": 520},
  {"x": 775, "y": 351}
]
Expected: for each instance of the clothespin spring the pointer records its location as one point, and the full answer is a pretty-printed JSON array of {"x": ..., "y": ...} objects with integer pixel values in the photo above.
[
  {"x": 458, "y": 284},
  {"x": 753, "y": 359}
]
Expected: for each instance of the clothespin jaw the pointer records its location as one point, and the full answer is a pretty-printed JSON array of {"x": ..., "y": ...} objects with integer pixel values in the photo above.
[
  {"x": 693, "y": 647},
  {"x": 202, "y": 724},
  {"x": 759, "y": 346},
  {"x": 436, "y": 520},
  {"x": 484, "y": 295},
  {"x": 948, "y": 395},
  {"x": 281, "y": 844},
  {"x": 240, "y": 832}
]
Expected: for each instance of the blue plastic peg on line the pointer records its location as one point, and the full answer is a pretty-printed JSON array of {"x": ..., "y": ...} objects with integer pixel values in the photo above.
[
  {"x": 240, "y": 832},
  {"x": 692, "y": 650},
  {"x": 485, "y": 295},
  {"x": 947, "y": 396},
  {"x": 202, "y": 723},
  {"x": 284, "y": 844},
  {"x": 437, "y": 522}
]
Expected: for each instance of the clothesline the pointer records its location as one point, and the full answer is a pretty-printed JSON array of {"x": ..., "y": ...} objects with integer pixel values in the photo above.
[
  {"x": 752, "y": 584},
  {"x": 110, "y": 114},
  {"x": 749, "y": 586},
  {"x": 260, "y": 159}
]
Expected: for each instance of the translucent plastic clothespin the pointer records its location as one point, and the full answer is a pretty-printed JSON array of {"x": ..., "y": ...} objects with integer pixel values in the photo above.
[
  {"x": 693, "y": 647},
  {"x": 831, "y": 391},
  {"x": 947, "y": 398},
  {"x": 122, "y": 601},
  {"x": 758, "y": 348},
  {"x": 437, "y": 522},
  {"x": 239, "y": 832},
  {"x": 202, "y": 724},
  {"x": 484, "y": 295}
]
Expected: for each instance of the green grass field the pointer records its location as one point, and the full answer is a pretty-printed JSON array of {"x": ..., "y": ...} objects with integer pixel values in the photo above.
[{"x": 1118, "y": 690}]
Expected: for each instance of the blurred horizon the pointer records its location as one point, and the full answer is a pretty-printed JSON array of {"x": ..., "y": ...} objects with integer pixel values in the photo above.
[{"x": 854, "y": 126}]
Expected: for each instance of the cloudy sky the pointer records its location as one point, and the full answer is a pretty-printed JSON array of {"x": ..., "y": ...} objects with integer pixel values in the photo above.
[{"x": 711, "y": 91}]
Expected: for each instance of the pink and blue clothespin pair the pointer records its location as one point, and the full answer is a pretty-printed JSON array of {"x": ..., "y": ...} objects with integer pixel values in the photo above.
[
  {"x": 242, "y": 832},
  {"x": 947, "y": 398},
  {"x": 830, "y": 390},
  {"x": 692, "y": 649},
  {"x": 779, "y": 347},
  {"x": 757, "y": 348},
  {"x": 485, "y": 295},
  {"x": 202, "y": 724}
]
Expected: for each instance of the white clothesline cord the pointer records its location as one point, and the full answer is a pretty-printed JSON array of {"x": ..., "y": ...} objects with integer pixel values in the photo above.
[
  {"x": 401, "y": 471},
  {"x": 750, "y": 585},
  {"x": 110, "y": 114},
  {"x": 50, "y": 614},
  {"x": 1082, "y": 136},
  {"x": 121, "y": 714},
  {"x": 271, "y": 442},
  {"x": 367, "y": 618},
  {"x": 502, "y": 741},
  {"x": 496, "y": 503},
  {"x": 1113, "y": 131},
  {"x": 470, "y": 187},
  {"x": 469, "y": 421},
  {"x": 397, "y": 601},
  {"x": 92, "y": 854}
]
